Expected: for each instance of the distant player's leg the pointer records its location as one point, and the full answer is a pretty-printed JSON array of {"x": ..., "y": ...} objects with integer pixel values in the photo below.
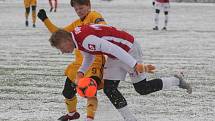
[
  {"x": 27, "y": 11},
  {"x": 166, "y": 7},
  {"x": 34, "y": 15},
  {"x": 33, "y": 6},
  {"x": 156, "y": 16},
  {"x": 51, "y": 6},
  {"x": 69, "y": 92},
  {"x": 55, "y": 9},
  {"x": 165, "y": 20},
  {"x": 113, "y": 73},
  {"x": 156, "y": 19}
]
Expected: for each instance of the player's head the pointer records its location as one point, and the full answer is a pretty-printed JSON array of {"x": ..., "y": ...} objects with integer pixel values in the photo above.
[
  {"x": 82, "y": 7},
  {"x": 62, "y": 40}
]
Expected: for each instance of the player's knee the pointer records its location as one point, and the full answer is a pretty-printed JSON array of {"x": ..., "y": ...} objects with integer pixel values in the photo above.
[
  {"x": 27, "y": 10},
  {"x": 33, "y": 8},
  {"x": 114, "y": 95},
  {"x": 69, "y": 90},
  {"x": 145, "y": 87},
  {"x": 166, "y": 12},
  {"x": 157, "y": 11}
]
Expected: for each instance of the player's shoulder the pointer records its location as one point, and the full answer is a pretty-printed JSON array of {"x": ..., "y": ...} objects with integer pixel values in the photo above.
[
  {"x": 95, "y": 14},
  {"x": 96, "y": 17}
]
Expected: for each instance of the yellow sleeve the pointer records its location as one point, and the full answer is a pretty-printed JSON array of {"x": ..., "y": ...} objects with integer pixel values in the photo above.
[
  {"x": 51, "y": 27},
  {"x": 71, "y": 27},
  {"x": 97, "y": 18}
]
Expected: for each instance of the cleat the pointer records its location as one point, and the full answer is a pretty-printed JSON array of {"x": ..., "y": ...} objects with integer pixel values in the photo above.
[
  {"x": 34, "y": 25},
  {"x": 51, "y": 9},
  {"x": 164, "y": 28},
  {"x": 26, "y": 23},
  {"x": 183, "y": 84},
  {"x": 155, "y": 28},
  {"x": 67, "y": 117},
  {"x": 55, "y": 10}
]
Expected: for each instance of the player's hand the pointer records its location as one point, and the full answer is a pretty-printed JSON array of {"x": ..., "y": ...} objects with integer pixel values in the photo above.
[
  {"x": 42, "y": 15},
  {"x": 79, "y": 76},
  {"x": 140, "y": 68},
  {"x": 150, "y": 68}
]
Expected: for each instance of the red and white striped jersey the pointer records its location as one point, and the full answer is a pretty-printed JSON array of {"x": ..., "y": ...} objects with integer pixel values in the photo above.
[
  {"x": 102, "y": 39},
  {"x": 163, "y": 1}
]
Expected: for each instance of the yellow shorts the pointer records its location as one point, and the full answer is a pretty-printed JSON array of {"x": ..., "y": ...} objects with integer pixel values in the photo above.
[
  {"x": 29, "y": 3},
  {"x": 94, "y": 70}
]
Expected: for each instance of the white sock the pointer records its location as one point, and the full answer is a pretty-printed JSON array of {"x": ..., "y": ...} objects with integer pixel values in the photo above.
[
  {"x": 126, "y": 114},
  {"x": 156, "y": 19},
  {"x": 169, "y": 82},
  {"x": 166, "y": 20}
]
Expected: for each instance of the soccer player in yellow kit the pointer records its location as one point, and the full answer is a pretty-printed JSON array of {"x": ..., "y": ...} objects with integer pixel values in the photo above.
[
  {"x": 30, "y": 4},
  {"x": 83, "y": 10}
]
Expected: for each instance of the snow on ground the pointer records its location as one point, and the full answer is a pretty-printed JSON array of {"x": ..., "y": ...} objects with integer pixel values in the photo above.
[{"x": 31, "y": 72}]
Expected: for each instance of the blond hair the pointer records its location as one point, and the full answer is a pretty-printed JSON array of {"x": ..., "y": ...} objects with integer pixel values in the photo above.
[{"x": 58, "y": 36}]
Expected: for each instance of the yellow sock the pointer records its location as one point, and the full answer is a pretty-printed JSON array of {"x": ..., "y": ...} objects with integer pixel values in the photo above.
[
  {"x": 92, "y": 104},
  {"x": 26, "y": 15},
  {"x": 71, "y": 104},
  {"x": 34, "y": 16}
]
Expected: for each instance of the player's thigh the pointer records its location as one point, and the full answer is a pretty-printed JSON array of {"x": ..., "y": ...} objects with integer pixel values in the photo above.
[
  {"x": 114, "y": 70},
  {"x": 71, "y": 71},
  {"x": 33, "y": 2},
  {"x": 134, "y": 76},
  {"x": 166, "y": 7},
  {"x": 27, "y": 3}
]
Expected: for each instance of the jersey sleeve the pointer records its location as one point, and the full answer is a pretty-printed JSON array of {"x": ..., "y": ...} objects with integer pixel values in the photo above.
[
  {"x": 71, "y": 26},
  {"x": 94, "y": 43},
  {"x": 53, "y": 28},
  {"x": 87, "y": 61},
  {"x": 97, "y": 18}
]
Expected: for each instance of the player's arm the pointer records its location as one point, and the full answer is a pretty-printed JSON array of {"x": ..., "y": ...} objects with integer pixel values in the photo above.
[
  {"x": 87, "y": 61},
  {"x": 112, "y": 49},
  {"x": 109, "y": 48},
  {"x": 44, "y": 18},
  {"x": 51, "y": 27}
]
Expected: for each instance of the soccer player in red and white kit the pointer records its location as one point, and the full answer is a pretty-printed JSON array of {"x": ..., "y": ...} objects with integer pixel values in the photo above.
[
  {"x": 53, "y": 4},
  {"x": 161, "y": 5},
  {"x": 124, "y": 56}
]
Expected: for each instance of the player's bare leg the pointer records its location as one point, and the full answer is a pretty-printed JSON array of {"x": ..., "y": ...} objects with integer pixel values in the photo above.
[{"x": 27, "y": 11}]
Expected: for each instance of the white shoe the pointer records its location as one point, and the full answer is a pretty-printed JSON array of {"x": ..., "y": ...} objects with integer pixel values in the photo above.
[{"x": 183, "y": 84}]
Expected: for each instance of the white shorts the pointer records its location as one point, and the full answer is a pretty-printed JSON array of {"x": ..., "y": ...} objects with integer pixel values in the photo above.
[
  {"x": 116, "y": 70},
  {"x": 162, "y": 6}
]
